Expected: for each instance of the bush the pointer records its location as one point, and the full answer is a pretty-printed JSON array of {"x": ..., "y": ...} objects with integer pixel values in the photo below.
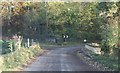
[
  {"x": 110, "y": 39},
  {"x": 105, "y": 47},
  {"x": 7, "y": 47},
  {"x": 1, "y": 41}
]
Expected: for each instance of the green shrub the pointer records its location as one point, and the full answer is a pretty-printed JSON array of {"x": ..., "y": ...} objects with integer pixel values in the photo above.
[
  {"x": 105, "y": 47},
  {"x": 7, "y": 47},
  {"x": 1, "y": 41},
  {"x": 110, "y": 39}
]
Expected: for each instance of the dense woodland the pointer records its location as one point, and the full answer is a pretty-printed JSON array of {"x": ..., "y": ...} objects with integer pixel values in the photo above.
[{"x": 94, "y": 21}]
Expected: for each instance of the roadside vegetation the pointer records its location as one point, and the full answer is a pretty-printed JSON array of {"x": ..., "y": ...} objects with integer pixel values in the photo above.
[
  {"x": 57, "y": 23},
  {"x": 15, "y": 60},
  {"x": 108, "y": 61}
]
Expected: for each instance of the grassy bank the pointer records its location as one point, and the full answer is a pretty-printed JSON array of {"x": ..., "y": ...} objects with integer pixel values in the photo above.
[
  {"x": 19, "y": 57},
  {"x": 1, "y": 63},
  {"x": 108, "y": 61}
]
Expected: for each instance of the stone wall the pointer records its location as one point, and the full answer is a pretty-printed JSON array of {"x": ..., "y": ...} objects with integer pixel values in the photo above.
[{"x": 95, "y": 50}]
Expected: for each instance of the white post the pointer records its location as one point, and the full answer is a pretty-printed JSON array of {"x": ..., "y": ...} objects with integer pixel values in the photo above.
[
  {"x": 85, "y": 40},
  {"x": 28, "y": 41},
  {"x": 0, "y": 26},
  {"x": 19, "y": 42}
]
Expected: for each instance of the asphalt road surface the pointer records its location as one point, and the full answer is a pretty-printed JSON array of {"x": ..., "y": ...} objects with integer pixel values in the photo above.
[{"x": 60, "y": 59}]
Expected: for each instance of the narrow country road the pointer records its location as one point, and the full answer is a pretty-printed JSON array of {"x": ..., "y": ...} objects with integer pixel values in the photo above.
[{"x": 60, "y": 59}]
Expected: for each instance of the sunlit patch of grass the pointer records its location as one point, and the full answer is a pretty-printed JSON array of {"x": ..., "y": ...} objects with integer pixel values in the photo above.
[
  {"x": 20, "y": 57},
  {"x": 1, "y": 63}
]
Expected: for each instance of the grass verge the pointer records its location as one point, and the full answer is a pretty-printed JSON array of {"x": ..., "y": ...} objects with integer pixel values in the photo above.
[
  {"x": 108, "y": 61},
  {"x": 20, "y": 57},
  {"x": 1, "y": 63}
]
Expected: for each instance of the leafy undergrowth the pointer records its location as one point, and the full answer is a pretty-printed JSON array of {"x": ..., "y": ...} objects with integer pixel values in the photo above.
[
  {"x": 19, "y": 57},
  {"x": 108, "y": 61}
]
